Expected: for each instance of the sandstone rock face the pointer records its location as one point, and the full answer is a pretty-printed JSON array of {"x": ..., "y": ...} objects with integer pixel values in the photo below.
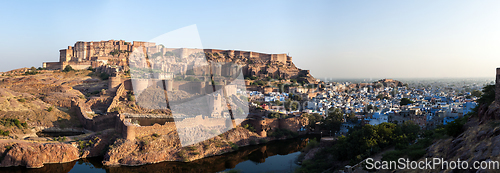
[
  {"x": 479, "y": 142},
  {"x": 150, "y": 150},
  {"x": 34, "y": 155}
]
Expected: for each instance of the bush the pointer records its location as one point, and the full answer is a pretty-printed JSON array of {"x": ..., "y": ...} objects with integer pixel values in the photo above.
[
  {"x": 252, "y": 142},
  {"x": 104, "y": 76},
  {"x": 279, "y": 133},
  {"x": 455, "y": 127},
  {"x": 50, "y": 109},
  {"x": 116, "y": 109},
  {"x": 392, "y": 155},
  {"x": 32, "y": 71},
  {"x": 4, "y": 133},
  {"x": 22, "y": 100},
  {"x": 234, "y": 146},
  {"x": 25, "y": 125},
  {"x": 416, "y": 154},
  {"x": 262, "y": 141},
  {"x": 249, "y": 127},
  {"x": 68, "y": 68},
  {"x": 192, "y": 79},
  {"x": 313, "y": 143},
  {"x": 274, "y": 115}
]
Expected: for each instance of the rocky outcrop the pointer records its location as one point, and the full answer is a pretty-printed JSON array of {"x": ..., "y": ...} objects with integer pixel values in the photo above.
[
  {"x": 153, "y": 149},
  {"x": 477, "y": 143},
  {"x": 34, "y": 155},
  {"x": 263, "y": 68}
]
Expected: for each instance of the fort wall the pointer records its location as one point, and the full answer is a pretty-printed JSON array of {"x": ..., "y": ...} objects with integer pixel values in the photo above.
[
  {"x": 116, "y": 99},
  {"x": 141, "y": 131},
  {"x": 76, "y": 65},
  {"x": 114, "y": 83},
  {"x": 265, "y": 126},
  {"x": 97, "y": 123},
  {"x": 51, "y": 65}
]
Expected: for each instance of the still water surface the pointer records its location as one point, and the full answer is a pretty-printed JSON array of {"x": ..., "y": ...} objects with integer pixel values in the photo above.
[{"x": 275, "y": 156}]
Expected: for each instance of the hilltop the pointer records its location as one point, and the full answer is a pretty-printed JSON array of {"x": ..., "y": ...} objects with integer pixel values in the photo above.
[
  {"x": 122, "y": 54},
  {"x": 89, "y": 104}
]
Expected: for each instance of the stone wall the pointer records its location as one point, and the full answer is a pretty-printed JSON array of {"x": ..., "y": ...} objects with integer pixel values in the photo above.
[
  {"x": 131, "y": 131},
  {"x": 98, "y": 123},
  {"x": 113, "y": 84},
  {"x": 264, "y": 126},
  {"x": 193, "y": 87},
  {"x": 77, "y": 65},
  {"x": 52, "y": 65},
  {"x": 116, "y": 99},
  {"x": 195, "y": 121},
  {"x": 141, "y": 131},
  {"x": 293, "y": 124}
]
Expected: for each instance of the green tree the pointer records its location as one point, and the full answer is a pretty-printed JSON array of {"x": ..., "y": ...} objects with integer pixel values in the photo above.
[
  {"x": 313, "y": 118},
  {"x": 476, "y": 93},
  {"x": 381, "y": 97},
  {"x": 291, "y": 105},
  {"x": 68, "y": 68},
  {"x": 274, "y": 115},
  {"x": 488, "y": 95},
  {"x": 405, "y": 101},
  {"x": 370, "y": 107},
  {"x": 334, "y": 120},
  {"x": 352, "y": 118},
  {"x": 295, "y": 97},
  {"x": 277, "y": 102}
]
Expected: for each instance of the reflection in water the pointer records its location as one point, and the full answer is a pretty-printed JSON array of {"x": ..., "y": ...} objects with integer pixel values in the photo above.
[{"x": 275, "y": 155}]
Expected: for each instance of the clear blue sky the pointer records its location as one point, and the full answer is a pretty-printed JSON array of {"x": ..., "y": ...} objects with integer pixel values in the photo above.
[{"x": 340, "y": 39}]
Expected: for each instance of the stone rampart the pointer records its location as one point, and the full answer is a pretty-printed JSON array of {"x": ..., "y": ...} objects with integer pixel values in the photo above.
[
  {"x": 77, "y": 65},
  {"x": 116, "y": 99},
  {"x": 205, "y": 121},
  {"x": 141, "y": 131},
  {"x": 98, "y": 123},
  {"x": 52, "y": 65},
  {"x": 264, "y": 126}
]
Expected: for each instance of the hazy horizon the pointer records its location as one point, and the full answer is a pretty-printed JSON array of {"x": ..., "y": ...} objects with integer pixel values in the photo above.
[{"x": 337, "y": 39}]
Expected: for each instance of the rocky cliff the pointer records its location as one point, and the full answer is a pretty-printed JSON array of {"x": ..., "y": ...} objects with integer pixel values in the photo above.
[
  {"x": 154, "y": 149},
  {"x": 263, "y": 68},
  {"x": 34, "y": 155}
]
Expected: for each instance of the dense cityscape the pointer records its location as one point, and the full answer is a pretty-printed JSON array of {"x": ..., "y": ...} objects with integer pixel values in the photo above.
[{"x": 427, "y": 103}]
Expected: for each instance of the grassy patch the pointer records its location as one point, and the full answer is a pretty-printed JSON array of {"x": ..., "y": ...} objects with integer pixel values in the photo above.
[
  {"x": 192, "y": 148},
  {"x": 7, "y": 122},
  {"x": 233, "y": 146}
]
